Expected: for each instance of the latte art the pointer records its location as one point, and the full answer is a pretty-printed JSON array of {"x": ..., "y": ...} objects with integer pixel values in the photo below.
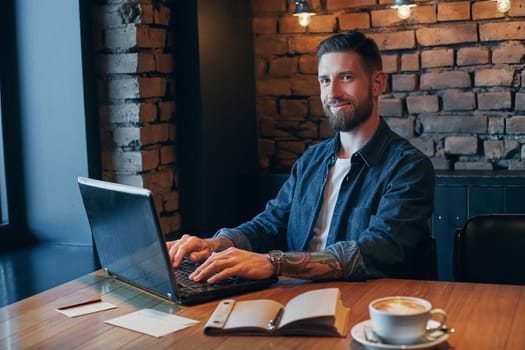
[{"x": 400, "y": 307}]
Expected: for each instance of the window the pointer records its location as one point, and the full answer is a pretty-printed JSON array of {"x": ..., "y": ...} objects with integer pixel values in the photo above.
[{"x": 3, "y": 187}]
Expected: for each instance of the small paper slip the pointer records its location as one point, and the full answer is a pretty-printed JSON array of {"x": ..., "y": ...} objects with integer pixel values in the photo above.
[
  {"x": 152, "y": 322},
  {"x": 85, "y": 308}
]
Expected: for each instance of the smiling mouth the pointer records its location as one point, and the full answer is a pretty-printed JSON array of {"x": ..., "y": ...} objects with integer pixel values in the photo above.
[{"x": 337, "y": 106}]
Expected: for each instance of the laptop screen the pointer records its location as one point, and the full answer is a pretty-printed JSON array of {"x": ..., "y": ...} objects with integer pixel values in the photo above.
[{"x": 127, "y": 236}]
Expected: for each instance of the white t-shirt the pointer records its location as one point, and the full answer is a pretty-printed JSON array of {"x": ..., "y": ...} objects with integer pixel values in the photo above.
[{"x": 336, "y": 176}]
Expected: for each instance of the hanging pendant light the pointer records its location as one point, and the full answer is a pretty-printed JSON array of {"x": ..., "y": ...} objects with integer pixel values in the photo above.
[
  {"x": 403, "y": 8},
  {"x": 503, "y": 5},
  {"x": 303, "y": 10}
]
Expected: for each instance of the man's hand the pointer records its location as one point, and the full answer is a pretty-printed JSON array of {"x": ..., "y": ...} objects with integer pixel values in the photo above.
[
  {"x": 233, "y": 262},
  {"x": 196, "y": 248}
]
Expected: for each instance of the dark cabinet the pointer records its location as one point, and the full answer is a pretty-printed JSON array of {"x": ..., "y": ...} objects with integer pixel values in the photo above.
[{"x": 461, "y": 195}]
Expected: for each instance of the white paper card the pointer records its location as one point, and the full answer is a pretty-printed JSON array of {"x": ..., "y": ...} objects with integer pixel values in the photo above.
[
  {"x": 152, "y": 322},
  {"x": 85, "y": 308}
]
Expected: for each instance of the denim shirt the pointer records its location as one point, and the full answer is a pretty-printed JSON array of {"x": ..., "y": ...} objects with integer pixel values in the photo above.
[{"x": 381, "y": 216}]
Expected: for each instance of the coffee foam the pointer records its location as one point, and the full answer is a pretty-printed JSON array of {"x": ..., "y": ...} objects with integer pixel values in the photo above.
[{"x": 399, "y": 307}]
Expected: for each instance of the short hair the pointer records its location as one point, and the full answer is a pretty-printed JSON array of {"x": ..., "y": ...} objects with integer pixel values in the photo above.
[{"x": 357, "y": 42}]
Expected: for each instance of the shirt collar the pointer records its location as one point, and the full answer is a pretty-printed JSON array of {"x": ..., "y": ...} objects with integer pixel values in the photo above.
[{"x": 372, "y": 151}]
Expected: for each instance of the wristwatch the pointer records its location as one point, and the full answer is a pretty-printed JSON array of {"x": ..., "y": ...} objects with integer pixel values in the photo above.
[{"x": 276, "y": 257}]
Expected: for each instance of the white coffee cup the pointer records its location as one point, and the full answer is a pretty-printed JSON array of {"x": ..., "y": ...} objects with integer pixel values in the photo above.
[{"x": 403, "y": 320}]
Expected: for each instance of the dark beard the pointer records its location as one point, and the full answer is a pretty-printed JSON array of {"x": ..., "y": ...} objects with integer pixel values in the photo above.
[{"x": 347, "y": 121}]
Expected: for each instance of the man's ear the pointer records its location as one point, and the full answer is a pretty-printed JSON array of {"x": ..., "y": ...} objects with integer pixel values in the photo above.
[{"x": 378, "y": 83}]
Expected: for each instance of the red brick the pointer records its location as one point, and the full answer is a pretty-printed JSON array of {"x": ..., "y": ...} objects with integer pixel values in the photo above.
[
  {"x": 422, "y": 104},
  {"x": 297, "y": 108},
  {"x": 467, "y": 145},
  {"x": 508, "y": 52},
  {"x": 494, "y": 77},
  {"x": 289, "y": 24},
  {"x": 162, "y": 15},
  {"x": 454, "y": 11},
  {"x": 266, "y": 147},
  {"x": 516, "y": 125},
  {"x": 394, "y": 40},
  {"x": 457, "y": 100},
  {"x": 308, "y": 64},
  {"x": 517, "y": 8},
  {"x": 305, "y": 86},
  {"x": 352, "y": 21},
  {"x": 423, "y": 15},
  {"x": 152, "y": 87},
  {"x": 502, "y": 31},
  {"x": 266, "y": 107},
  {"x": 494, "y": 149},
  {"x": 261, "y": 68},
  {"x": 385, "y": 18},
  {"x": 264, "y": 6},
  {"x": 166, "y": 110},
  {"x": 446, "y": 35},
  {"x": 322, "y": 24},
  {"x": 308, "y": 130},
  {"x": 343, "y": 4},
  {"x": 494, "y": 100},
  {"x": 304, "y": 44},
  {"x": 148, "y": 112},
  {"x": 404, "y": 82},
  {"x": 283, "y": 67},
  {"x": 164, "y": 63},
  {"x": 410, "y": 62},
  {"x": 266, "y": 45},
  {"x": 390, "y": 107},
  {"x": 390, "y": 63},
  {"x": 154, "y": 133},
  {"x": 150, "y": 159},
  {"x": 425, "y": 145},
  {"x": 264, "y": 25},
  {"x": 485, "y": 10},
  {"x": 325, "y": 130},
  {"x": 148, "y": 37},
  {"x": 441, "y": 57},
  {"x": 473, "y": 55},
  {"x": 402, "y": 126},
  {"x": 274, "y": 87},
  {"x": 453, "y": 123},
  {"x": 445, "y": 80},
  {"x": 316, "y": 107},
  {"x": 167, "y": 155}
]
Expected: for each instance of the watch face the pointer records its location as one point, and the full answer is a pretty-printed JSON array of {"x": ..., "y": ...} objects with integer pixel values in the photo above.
[{"x": 276, "y": 254}]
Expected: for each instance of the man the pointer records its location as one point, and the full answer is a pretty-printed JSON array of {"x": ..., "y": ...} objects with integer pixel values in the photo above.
[{"x": 355, "y": 206}]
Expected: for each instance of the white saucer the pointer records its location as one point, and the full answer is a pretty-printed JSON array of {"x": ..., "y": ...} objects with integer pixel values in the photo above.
[{"x": 358, "y": 333}]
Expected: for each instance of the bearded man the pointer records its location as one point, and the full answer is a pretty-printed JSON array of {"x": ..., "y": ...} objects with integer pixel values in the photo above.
[{"x": 355, "y": 206}]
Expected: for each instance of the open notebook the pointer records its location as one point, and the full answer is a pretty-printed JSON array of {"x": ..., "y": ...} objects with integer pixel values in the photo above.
[{"x": 132, "y": 248}]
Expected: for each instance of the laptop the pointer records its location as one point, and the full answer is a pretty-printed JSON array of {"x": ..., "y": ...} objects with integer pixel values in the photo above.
[{"x": 132, "y": 248}]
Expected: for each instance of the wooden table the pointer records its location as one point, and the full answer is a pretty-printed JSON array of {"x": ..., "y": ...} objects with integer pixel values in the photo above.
[{"x": 485, "y": 316}]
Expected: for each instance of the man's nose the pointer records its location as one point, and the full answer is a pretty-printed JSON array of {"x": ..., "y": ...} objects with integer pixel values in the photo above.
[{"x": 334, "y": 89}]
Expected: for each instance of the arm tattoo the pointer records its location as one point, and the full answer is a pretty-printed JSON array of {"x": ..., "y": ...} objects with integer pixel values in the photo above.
[{"x": 314, "y": 266}]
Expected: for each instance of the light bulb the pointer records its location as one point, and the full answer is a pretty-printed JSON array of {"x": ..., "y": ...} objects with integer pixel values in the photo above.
[
  {"x": 403, "y": 11},
  {"x": 304, "y": 19},
  {"x": 503, "y": 5}
]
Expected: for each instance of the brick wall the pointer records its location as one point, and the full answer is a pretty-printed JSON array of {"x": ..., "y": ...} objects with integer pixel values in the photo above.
[
  {"x": 456, "y": 78},
  {"x": 456, "y": 85},
  {"x": 133, "y": 46}
]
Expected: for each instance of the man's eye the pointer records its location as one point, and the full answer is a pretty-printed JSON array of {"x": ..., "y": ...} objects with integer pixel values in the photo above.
[
  {"x": 324, "y": 81},
  {"x": 346, "y": 77}
]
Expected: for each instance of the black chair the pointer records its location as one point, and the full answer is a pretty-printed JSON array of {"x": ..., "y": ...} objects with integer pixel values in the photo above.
[{"x": 490, "y": 248}]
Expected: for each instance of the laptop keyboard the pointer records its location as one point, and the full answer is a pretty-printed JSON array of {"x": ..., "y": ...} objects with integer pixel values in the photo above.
[{"x": 186, "y": 268}]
